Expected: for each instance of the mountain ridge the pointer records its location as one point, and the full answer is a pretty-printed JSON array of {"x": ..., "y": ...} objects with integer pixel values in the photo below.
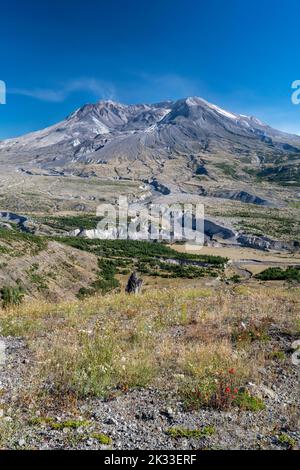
[
  {"x": 113, "y": 115},
  {"x": 185, "y": 146}
]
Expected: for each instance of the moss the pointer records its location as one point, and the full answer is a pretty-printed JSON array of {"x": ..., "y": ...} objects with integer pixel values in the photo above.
[
  {"x": 58, "y": 425},
  {"x": 178, "y": 432},
  {"x": 102, "y": 438},
  {"x": 279, "y": 355},
  {"x": 287, "y": 441}
]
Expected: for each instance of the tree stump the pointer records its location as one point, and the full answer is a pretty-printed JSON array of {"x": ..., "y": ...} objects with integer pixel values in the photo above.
[{"x": 134, "y": 284}]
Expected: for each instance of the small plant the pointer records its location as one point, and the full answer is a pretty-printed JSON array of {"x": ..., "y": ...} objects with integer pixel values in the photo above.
[
  {"x": 58, "y": 425},
  {"x": 220, "y": 391},
  {"x": 255, "y": 331},
  {"x": 213, "y": 391},
  {"x": 279, "y": 355},
  {"x": 11, "y": 296},
  {"x": 102, "y": 438},
  {"x": 287, "y": 441},
  {"x": 248, "y": 402},
  {"x": 235, "y": 278},
  {"x": 178, "y": 432},
  {"x": 84, "y": 292}
]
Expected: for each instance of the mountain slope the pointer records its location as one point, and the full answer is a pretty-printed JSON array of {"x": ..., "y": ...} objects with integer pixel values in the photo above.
[
  {"x": 188, "y": 125},
  {"x": 188, "y": 146}
]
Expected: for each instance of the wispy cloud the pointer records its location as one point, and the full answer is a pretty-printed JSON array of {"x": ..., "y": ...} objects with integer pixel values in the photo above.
[{"x": 99, "y": 88}]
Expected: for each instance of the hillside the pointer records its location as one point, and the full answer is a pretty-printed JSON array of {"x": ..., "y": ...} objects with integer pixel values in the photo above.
[{"x": 166, "y": 146}]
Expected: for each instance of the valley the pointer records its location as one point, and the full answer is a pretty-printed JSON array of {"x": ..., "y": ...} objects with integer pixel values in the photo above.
[{"x": 205, "y": 356}]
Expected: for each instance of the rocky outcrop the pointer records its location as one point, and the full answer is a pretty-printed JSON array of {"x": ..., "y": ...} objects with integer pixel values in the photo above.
[
  {"x": 159, "y": 187},
  {"x": 10, "y": 218},
  {"x": 213, "y": 229},
  {"x": 266, "y": 243},
  {"x": 242, "y": 196}
]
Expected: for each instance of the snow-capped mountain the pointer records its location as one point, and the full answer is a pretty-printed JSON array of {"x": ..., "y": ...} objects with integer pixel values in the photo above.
[{"x": 145, "y": 140}]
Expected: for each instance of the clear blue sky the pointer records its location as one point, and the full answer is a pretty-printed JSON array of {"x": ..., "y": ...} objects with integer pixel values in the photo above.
[{"x": 56, "y": 55}]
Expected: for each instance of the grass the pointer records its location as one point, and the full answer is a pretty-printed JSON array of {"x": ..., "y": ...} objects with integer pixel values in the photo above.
[
  {"x": 59, "y": 425},
  {"x": 182, "y": 342},
  {"x": 16, "y": 243},
  {"x": 255, "y": 330},
  {"x": 227, "y": 169},
  {"x": 277, "y": 355},
  {"x": 105, "y": 282},
  {"x": 104, "y": 346},
  {"x": 213, "y": 376},
  {"x": 282, "y": 224}
]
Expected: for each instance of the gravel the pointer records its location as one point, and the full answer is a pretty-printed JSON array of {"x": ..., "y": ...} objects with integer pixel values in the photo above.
[{"x": 139, "y": 419}]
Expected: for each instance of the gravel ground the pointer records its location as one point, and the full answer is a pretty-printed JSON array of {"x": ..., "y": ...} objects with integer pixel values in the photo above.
[{"x": 139, "y": 419}]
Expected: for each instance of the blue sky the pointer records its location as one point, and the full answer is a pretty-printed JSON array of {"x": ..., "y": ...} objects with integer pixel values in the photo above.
[{"x": 57, "y": 55}]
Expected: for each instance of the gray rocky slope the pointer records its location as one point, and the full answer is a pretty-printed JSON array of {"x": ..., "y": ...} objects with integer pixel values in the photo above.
[
  {"x": 173, "y": 148},
  {"x": 190, "y": 131}
]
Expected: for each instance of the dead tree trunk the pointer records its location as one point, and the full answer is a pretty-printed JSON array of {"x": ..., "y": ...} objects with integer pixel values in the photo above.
[{"x": 134, "y": 284}]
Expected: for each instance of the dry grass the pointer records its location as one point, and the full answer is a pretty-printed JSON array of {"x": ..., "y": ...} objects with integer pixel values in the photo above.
[{"x": 186, "y": 341}]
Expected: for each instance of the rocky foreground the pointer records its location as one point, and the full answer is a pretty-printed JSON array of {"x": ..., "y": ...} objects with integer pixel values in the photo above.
[{"x": 154, "y": 416}]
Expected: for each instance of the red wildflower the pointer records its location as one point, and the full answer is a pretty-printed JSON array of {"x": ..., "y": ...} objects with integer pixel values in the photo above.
[
  {"x": 227, "y": 390},
  {"x": 231, "y": 371}
]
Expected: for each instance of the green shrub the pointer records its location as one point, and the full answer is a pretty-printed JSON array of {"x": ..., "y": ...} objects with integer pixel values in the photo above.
[
  {"x": 105, "y": 285},
  {"x": 11, "y": 296},
  {"x": 292, "y": 273},
  {"x": 287, "y": 441},
  {"x": 248, "y": 402}
]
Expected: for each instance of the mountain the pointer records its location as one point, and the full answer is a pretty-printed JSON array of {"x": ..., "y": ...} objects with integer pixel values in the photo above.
[
  {"x": 108, "y": 130},
  {"x": 183, "y": 146}
]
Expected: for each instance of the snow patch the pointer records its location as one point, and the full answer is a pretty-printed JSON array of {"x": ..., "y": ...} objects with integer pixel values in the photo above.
[
  {"x": 192, "y": 101},
  {"x": 101, "y": 128},
  {"x": 222, "y": 111}
]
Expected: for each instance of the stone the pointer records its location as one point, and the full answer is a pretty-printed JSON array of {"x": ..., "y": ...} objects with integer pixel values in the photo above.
[
  {"x": 2, "y": 353},
  {"x": 110, "y": 420}
]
